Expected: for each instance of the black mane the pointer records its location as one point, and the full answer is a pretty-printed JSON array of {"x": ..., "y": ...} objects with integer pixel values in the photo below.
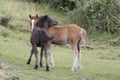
[
  {"x": 41, "y": 21},
  {"x": 45, "y": 22}
]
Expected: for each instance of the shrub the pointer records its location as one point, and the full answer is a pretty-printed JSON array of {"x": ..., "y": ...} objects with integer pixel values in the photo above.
[
  {"x": 59, "y": 4},
  {"x": 4, "y": 20},
  {"x": 4, "y": 34},
  {"x": 97, "y": 15}
]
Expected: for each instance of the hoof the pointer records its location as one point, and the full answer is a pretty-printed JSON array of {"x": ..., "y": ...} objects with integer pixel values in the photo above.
[
  {"x": 36, "y": 66},
  {"x": 28, "y": 62},
  {"x": 74, "y": 69},
  {"x": 41, "y": 65},
  {"x": 79, "y": 68},
  {"x": 51, "y": 65},
  {"x": 47, "y": 68}
]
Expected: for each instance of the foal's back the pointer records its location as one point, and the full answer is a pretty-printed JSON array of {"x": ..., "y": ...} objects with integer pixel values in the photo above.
[{"x": 64, "y": 34}]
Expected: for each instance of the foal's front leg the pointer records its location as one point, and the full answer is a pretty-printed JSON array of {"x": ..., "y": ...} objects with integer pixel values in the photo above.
[{"x": 51, "y": 59}]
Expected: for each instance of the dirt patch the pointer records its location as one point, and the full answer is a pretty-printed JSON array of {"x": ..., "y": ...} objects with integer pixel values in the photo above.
[
  {"x": 6, "y": 71},
  {"x": 5, "y": 66},
  {"x": 7, "y": 75}
]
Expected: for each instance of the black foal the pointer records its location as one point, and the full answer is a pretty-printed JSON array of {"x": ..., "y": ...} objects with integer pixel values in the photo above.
[{"x": 39, "y": 38}]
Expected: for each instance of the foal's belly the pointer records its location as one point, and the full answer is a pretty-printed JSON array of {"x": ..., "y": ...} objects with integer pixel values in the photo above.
[{"x": 60, "y": 42}]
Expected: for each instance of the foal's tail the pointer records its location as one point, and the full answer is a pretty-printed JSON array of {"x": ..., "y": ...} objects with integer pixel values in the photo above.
[{"x": 84, "y": 37}]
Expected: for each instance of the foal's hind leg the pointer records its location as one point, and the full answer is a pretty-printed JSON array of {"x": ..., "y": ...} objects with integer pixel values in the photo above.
[
  {"x": 29, "y": 60},
  {"x": 36, "y": 57},
  {"x": 46, "y": 57},
  {"x": 51, "y": 59},
  {"x": 41, "y": 56},
  {"x": 79, "y": 66},
  {"x": 75, "y": 57}
]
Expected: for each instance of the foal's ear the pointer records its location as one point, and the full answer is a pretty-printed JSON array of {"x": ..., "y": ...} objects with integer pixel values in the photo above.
[
  {"x": 46, "y": 16},
  {"x": 30, "y": 16},
  {"x": 37, "y": 15}
]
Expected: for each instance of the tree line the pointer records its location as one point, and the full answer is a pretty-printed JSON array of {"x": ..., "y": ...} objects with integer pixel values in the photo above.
[{"x": 93, "y": 15}]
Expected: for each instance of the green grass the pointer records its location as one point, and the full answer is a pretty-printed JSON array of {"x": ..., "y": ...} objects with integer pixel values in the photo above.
[
  {"x": 98, "y": 64},
  {"x": 101, "y": 63}
]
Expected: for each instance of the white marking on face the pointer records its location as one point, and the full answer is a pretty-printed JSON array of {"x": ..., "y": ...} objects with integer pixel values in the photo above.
[{"x": 32, "y": 22}]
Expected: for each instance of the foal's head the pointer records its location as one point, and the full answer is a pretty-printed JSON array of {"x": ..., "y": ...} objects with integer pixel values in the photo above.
[
  {"x": 46, "y": 21},
  {"x": 33, "y": 21},
  {"x": 42, "y": 21}
]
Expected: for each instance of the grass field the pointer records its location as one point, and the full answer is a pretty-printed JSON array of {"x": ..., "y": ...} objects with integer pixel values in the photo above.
[{"x": 100, "y": 63}]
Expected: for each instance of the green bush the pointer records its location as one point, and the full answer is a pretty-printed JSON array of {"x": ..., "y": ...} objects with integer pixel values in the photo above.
[
  {"x": 97, "y": 15},
  {"x": 59, "y": 4},
  {"x": 4, "y": 20},
  {"x": 5, "y": 34}
]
